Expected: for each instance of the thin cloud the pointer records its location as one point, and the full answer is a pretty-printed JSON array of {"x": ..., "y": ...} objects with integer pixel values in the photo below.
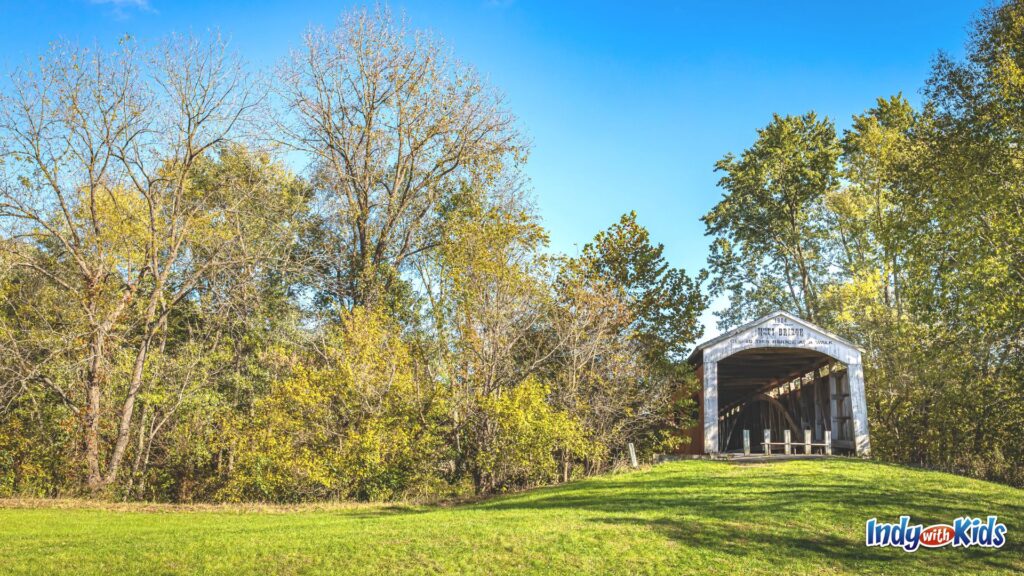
[
  {"x": 144, "y": 4},
  {"x": 121, "y": 8}
]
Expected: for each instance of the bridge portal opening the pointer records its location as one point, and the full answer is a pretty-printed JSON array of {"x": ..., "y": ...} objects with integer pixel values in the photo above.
[{"x": 780, "y": 389}]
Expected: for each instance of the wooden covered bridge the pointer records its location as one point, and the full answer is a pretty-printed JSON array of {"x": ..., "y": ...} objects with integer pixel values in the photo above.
[{"x": 780, "y": 384}]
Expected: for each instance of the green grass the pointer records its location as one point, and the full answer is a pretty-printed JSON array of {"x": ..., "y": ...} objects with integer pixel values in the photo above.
[{"x": 679, "y": 518}]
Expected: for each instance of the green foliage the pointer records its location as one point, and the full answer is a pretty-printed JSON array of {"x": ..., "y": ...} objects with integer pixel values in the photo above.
[
  {"x": 184, "y": 319},
  {"x": 768, "y": 250},
  {"x": 355, "y": 424},
  {"x": 624, "y": 319},
  {"x": 37, "y": 442},
  {"x": 664, "y": 302},
  {"x": 525, "y": 434}
]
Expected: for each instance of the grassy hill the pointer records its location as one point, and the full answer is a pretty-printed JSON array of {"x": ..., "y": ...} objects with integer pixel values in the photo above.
[{"x": 679, "y": 518}]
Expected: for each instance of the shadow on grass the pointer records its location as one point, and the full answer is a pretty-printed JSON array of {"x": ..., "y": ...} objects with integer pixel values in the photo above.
[
  {"x": 794, "y": 513},
  {"x": 821, "y": 548},
  {"x": 386, "y": 510}
]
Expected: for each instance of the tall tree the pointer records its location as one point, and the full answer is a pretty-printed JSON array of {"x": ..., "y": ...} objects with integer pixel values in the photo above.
[
  {"x": 490, "y": 304},
  {"x": 394, "y": 128},
  {"x": 769, "y": 249},
  {"x": 624, "y": 321},
  {"x": 976, "y": 144},
  {"x": 665, "y": 302},
  {"x": 966, "y": 259},
  {"x": 868, "y": 299},
  {"x": 879, "y": 164}
]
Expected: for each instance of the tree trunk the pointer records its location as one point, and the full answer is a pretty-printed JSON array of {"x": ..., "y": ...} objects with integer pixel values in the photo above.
[
  {"x": 127, "y": 411},
  {"x": 139, "y": 445},
  {"x": 94, "y": 482}
]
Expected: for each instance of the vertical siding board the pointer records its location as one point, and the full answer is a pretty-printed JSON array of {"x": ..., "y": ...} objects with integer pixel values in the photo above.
[{"x": 710, "y": 407}]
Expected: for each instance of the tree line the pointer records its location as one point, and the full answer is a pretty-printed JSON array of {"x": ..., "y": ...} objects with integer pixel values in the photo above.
[
  {"x": 327, "y": 280},
  {"x": 187, "y": 316}
]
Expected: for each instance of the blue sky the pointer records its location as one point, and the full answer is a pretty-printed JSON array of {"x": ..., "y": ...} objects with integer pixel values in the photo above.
[{"x": 628, "y": 105}]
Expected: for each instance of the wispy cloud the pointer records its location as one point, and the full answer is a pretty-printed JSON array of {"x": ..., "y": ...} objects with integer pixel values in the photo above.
[{"x": 122, "y": 9}]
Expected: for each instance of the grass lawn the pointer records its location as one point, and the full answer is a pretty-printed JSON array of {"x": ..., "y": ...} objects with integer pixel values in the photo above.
[{"x": 678, "y": 518}]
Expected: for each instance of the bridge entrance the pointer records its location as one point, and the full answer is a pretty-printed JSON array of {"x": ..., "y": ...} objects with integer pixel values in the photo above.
[{"x": 778, "y": 378}]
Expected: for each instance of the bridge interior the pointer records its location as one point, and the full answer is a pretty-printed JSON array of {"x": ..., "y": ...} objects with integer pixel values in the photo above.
[{"x": 779, "y": 389}]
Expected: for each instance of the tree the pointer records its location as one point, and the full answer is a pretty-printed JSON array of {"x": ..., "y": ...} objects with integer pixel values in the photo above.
[
  {"x": 975, "y": 139},
  {"x": 489, "y": 307},
  {"x": 967, "y": 256},
  {"x": 528, "y": 433},
  {"x": 872, "y": 298},
  {"x": 665, "y": 302},
  {"x": 223, "y": 345},
  {"x": 769, "y": 249},
  {"x": 394, "y": 128},
  {"x": 880, "y": 153},
  {"x": 351, "y": 421},
  {"x": 623, "y": 323},
  {"x": 595, "y": 372}
]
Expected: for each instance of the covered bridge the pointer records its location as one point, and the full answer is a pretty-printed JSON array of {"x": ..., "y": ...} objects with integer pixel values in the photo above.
[{"x": 783, "y": 378}]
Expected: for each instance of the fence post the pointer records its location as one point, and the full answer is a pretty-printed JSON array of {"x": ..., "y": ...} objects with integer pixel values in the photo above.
[
  {"x": 828, "y": 442},
  {"x": 786, "y": 435},
  {"x": 632, "y": 455},
  {"x": 746, "y": 442},
  {"x": 807, "y": 441},
  {"x": 768, "y": 441}
]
